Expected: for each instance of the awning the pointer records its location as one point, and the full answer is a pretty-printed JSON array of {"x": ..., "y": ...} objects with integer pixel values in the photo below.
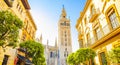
[
  {"x": 27, "y": 61},
  {"x": 21, "y": 49}
]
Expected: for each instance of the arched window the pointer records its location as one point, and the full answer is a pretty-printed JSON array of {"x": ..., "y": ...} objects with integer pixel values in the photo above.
[
  {"x": 51, "y": 53},
  {"x": 65, "y": 49},
  {"x": 112, "y": 17}
]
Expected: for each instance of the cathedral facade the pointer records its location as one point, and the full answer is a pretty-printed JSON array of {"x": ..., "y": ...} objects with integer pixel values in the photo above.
[{"x": 51, "y": 54}]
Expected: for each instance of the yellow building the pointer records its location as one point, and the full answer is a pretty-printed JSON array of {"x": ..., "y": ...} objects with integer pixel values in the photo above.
[
  {"x": 28, "y": 32},
  {"x": 99, "y": 28},
  {"x": 21, "y": 9}
]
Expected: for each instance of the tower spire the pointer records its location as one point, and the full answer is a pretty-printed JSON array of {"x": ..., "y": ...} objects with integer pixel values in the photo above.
[{"x": 63, "y": 12}]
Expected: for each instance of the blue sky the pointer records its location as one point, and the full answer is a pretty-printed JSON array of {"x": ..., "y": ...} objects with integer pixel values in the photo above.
[{"x": 46, "y": 14}]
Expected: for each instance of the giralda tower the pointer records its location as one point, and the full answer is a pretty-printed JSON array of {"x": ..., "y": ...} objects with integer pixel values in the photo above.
[{"x": 64, "y": 38}]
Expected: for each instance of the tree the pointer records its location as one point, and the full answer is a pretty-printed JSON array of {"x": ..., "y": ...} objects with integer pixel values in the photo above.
[
  {"x": 9, "y": 29},
  {"x": 71, "y": 59},
  {"x": 34, "y": 50},
  {"x": 84, "y": 54},
  {"x": 114, "y": 55}
]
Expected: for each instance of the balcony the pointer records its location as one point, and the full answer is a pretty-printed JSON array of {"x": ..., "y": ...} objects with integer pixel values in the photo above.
[
  {"x": 94, "y": 15},
  {"x": 80, "y": 43},
  {"x": 9, "y": 2},
  {"x": 90, "y": 41},
  {"x": 108, "y": 36},
  {"x": 80, "y": 36}
]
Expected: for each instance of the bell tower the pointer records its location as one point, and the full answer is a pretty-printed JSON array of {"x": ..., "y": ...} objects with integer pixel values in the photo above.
[{"x": 64, "y": 37}]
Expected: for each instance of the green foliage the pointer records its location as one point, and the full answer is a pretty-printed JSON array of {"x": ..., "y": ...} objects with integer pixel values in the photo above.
[
  {"x": 114, "y": 55},
  {"x": 9, "y": 28},
  {"x": 34, "y": 50},
  {"x": 81, "y": 55},
  {"x": 1, "y": 42},
  {"x": 70, "y": 59},
  {"x": 39, "y": 60},
  {"x": 84, "y": 54}
]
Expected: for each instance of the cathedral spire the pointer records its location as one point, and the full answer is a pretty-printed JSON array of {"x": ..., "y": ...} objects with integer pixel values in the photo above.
[
  {"x": 69, "y": 18},
  {"x": 63, "y": 12},
  {"x": 41, "y": 38},
  {"x": 56, "y": 42},
  {"x": 47, "y": 42}
]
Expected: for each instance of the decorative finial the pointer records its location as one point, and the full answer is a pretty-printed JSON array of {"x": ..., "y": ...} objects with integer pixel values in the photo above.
[
  {"x": 63, "y": 6},
  {"x": 63, "y": 12}
]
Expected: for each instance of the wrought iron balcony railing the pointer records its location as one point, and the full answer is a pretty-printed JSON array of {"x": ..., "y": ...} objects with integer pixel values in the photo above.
[{"x": 94, "y": 15}]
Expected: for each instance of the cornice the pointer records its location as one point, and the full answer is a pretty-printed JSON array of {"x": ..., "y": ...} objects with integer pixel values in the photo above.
[
  {"x": 83, "y": 12},
  {"x": 26, "y": 4}
]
